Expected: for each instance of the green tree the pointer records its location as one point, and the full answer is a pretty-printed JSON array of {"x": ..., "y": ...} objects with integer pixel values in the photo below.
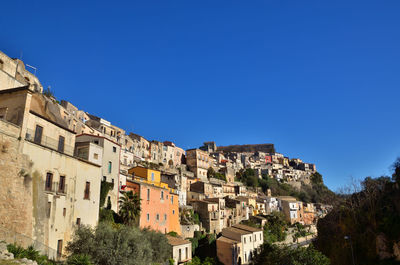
[
  {"x": 275, "y": 228},
  {"x": 396, "y": 170},
  {"x": 316, "y": 178},
  {"x": 129, "y": 208},
  {"x": 115, "y": 245},
  {"x": 210, "y": 172},
  {"x": 275, "y": 255}
]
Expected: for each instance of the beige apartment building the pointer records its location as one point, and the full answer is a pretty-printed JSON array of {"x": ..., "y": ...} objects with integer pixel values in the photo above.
[
  {"x": 45, "y": 190},
  {"x": 290, "y": 208},
  {"x": 181, "y": 249},
  {"x": 238, "y": 244},
  {"x": 198, "y": 162},
  {"x": 89, "y": 147}
]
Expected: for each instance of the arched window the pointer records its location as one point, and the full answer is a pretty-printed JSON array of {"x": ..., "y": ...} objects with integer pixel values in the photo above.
[{"x": 1, "y": 65}]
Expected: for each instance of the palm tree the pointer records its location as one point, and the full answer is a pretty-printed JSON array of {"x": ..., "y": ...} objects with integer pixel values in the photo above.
[{"x": 129, "y": 208}]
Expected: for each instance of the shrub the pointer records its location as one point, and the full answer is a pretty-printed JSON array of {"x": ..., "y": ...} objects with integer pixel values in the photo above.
[{"x": 79, "y": 259}]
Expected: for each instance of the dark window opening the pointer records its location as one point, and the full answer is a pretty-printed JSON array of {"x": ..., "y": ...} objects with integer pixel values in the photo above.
[
  {"x": 61, "y": 184},
  {"x": 49, "y": 182},
  {"x": 38, "y": 134},
  {"x": 61, "y": 141},
  {"x": 87, "y": 191},
  {"x": 59, "y": 248}
]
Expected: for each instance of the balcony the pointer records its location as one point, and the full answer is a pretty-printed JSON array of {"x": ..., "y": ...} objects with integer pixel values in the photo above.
[
  {"x": 55, "y": 188},
  {"x": 49, "y": 142}
]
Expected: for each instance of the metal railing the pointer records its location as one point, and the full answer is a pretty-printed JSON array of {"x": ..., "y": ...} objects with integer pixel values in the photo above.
[
  {"x": 49, "y": 142},
  {"x": 11, "y": 237}
]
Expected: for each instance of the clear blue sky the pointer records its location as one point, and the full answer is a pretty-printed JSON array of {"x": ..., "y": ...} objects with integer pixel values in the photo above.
[{"x": 319, "y": 79}]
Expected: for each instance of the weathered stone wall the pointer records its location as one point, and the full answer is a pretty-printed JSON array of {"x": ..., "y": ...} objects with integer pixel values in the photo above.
[{"x": 15, "y": 182}]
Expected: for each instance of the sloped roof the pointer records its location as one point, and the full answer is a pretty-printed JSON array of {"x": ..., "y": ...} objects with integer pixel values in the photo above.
[
  {"x": 177, "y": 241},
  {"x": 247, "y": 228}
]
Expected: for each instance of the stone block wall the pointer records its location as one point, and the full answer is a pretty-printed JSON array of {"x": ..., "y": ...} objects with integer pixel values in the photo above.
[{"x": 15, "y": 183}]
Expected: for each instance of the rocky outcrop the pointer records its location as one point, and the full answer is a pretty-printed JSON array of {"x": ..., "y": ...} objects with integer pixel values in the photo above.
[{"x": 5, "y": 255}]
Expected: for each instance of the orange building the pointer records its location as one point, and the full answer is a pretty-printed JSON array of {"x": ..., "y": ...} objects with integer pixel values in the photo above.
[{"x": 159, "y": 203}]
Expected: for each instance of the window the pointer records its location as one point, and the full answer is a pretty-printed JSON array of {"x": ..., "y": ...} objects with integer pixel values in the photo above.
[
  {"x": 104, "y": 178},
  {"x": 49, "y": 181},
  {"x": 180, "y": 255},
  {"x": 61, "y": 184},
  {"x": 48, "y": 209},
  {"x": 87, "y": 191},
  {"x": 1, "y": 65},
  {"x": 114, "y": 149},
  {"x": 173, "y": 211},
  {"x": 95, "y": 156},
  {"x": 162, "y": 195},
  {"x": 152, "y": 176},
  {"x": 59, "y": 248},
  {"x": 250, "y": 238},
  {"x": 245, "y": 240},
  {"x": 172, "y": 199},
  {"x": 64, "y": 212},
  {"x": 78, "y": 221},
  {"x": 96, "y": 141},
  {"x": 157, "y": 217},
  {"x": 38, "y": 134},
  {"x": 109, "y": 166},
  {"x": 148, "y": 217},
  {"x": 165, "y": 217},
  {"x": 148, "y": 194},
  {"x": 260, "y": 236},
  {"x": 187, "y": 252}
]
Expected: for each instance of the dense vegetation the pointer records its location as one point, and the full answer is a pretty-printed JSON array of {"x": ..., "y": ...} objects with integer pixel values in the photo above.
[
  {"x": 275, "y": 255},
  {"x": 367, "y": 223},
  {"x": 275, "y": 228},
  {"x": 211, "y": 173},
  {"x": 204, "y": 249},
  {"x": 118, "y": 244},
  {"x": 315, "y": 192}
]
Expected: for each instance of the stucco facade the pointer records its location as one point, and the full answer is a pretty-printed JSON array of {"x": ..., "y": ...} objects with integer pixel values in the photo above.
[
  {"x": 110, "y": 163},
  {"x": 63, "y": 189}
]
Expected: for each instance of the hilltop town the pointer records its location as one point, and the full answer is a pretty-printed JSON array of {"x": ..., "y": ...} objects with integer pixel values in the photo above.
[{"x": 62, "y": 167}]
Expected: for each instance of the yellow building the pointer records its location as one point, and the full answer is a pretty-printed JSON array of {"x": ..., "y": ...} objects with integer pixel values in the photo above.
[{"x": 150, "y": 176}]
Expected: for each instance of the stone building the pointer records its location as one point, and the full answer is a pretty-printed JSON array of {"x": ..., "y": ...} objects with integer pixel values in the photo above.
[
  {"x": 58, "y": 190},
  {"x": 14, "y": 74},
  {"x": 75, "y": 118},
  {"x": 140, "y": 147},
  {"x": 198, "y": 162},
  {"x": 209, "y": 215}
]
